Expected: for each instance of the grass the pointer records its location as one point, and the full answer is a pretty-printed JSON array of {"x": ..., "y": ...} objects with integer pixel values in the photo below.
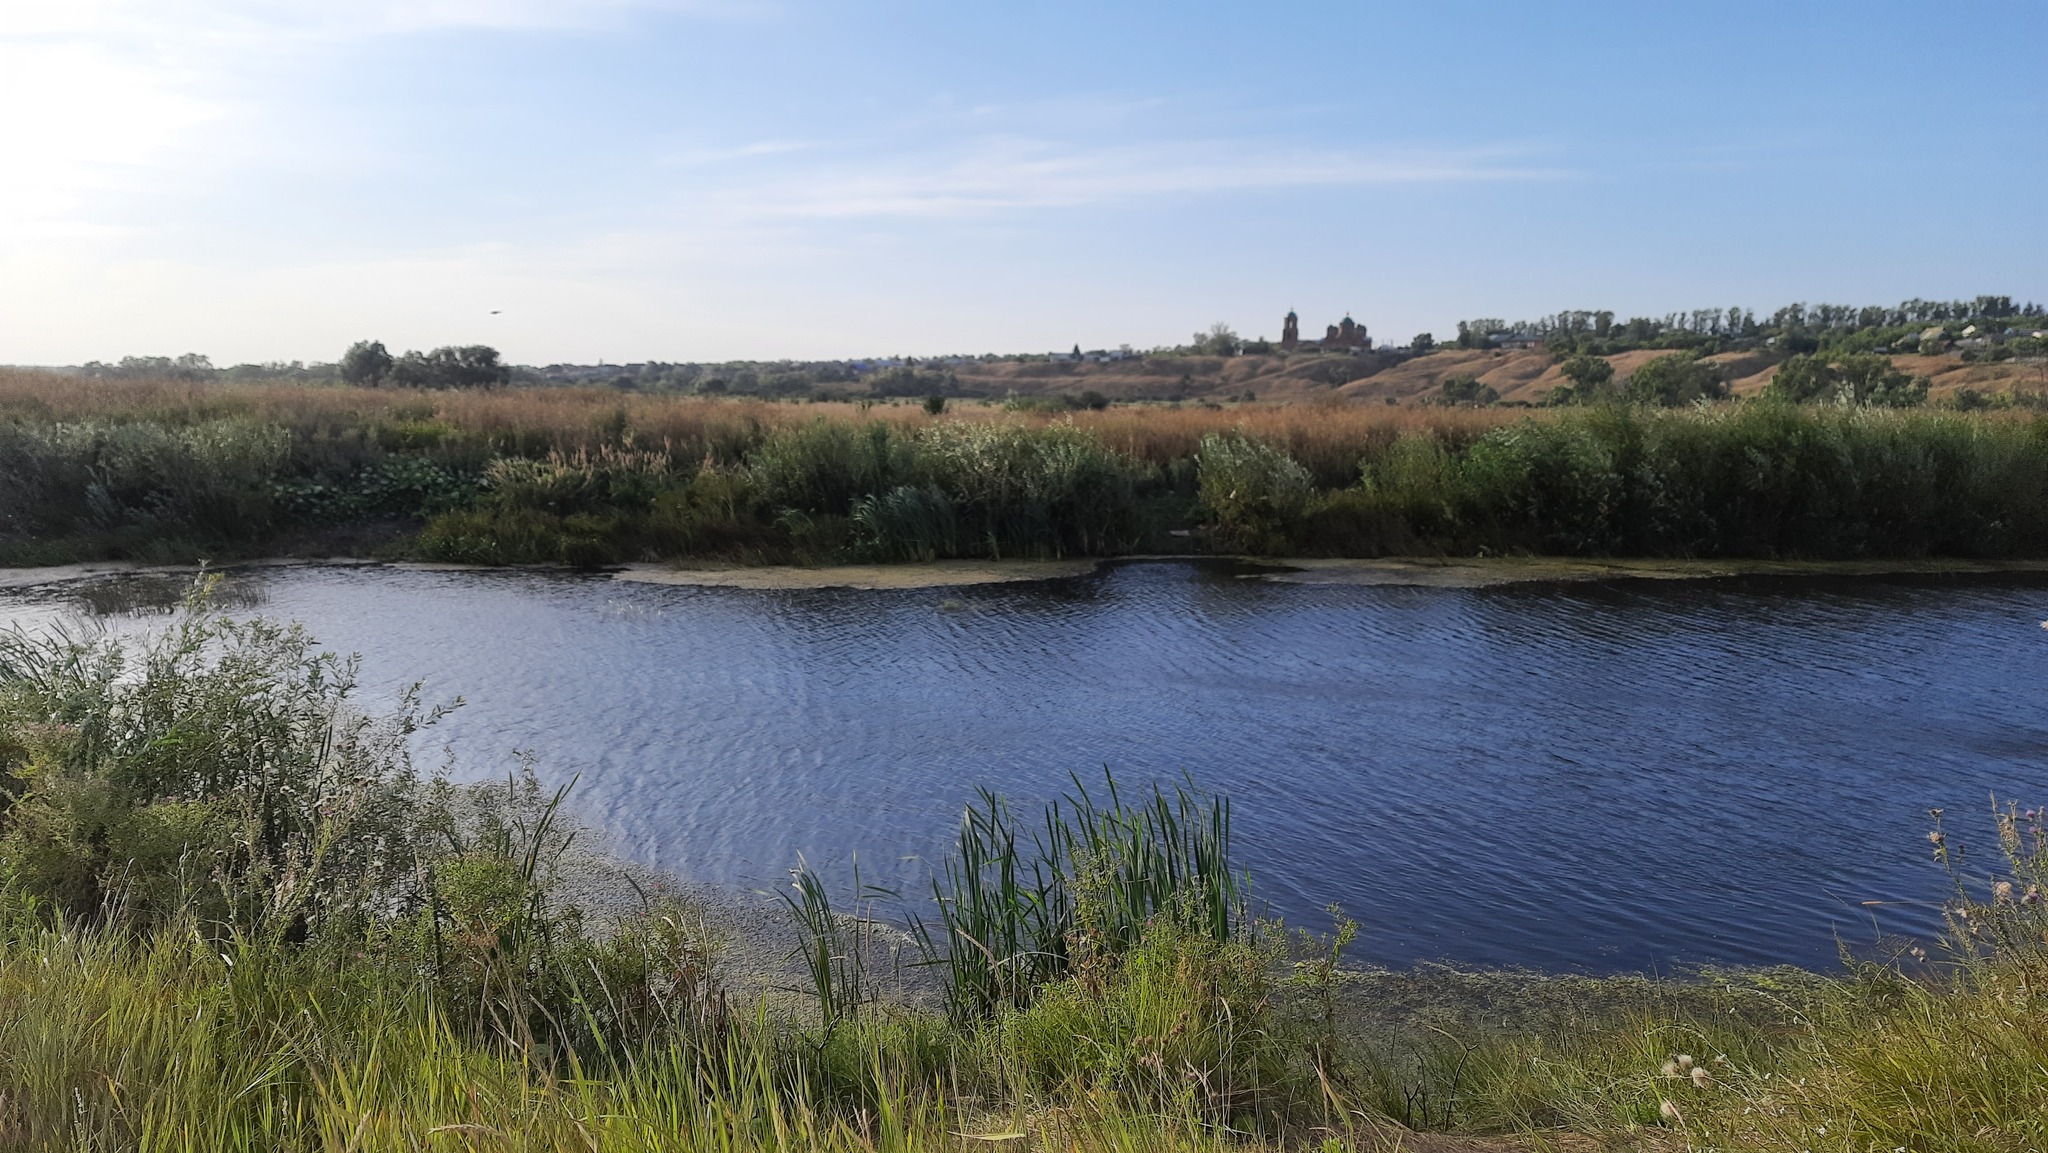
[{"x": 174, "y": 471}]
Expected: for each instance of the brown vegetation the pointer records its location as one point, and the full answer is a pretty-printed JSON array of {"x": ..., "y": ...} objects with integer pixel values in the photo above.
[{"x": 570, "y": 419}]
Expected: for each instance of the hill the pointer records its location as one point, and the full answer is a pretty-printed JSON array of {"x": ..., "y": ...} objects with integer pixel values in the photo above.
[{"x": 1517, "y": 375}]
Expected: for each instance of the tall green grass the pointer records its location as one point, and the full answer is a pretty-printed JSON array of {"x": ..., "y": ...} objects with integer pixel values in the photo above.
[
  {"x": 1022, "y": 907},
  {"x": 1754, "y": 480},
  {"x": 1757, "y": 479}
]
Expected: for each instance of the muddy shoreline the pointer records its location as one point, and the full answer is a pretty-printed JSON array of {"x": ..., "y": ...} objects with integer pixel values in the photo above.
[{"x": 1415, "y": 572}]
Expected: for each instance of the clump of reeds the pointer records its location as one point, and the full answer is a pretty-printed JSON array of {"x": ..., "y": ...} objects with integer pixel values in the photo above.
[{"x": 1020, "y": 910}]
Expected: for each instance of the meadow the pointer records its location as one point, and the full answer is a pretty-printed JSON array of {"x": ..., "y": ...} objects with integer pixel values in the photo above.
[
  {"x": 233, "y": 915},
  {"x": 161, "y": 470}
]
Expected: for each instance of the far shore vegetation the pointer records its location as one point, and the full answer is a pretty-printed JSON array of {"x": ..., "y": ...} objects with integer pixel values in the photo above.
[
  {"x": 1844, "y": 461},
  {"x": 234, "y": 916}
]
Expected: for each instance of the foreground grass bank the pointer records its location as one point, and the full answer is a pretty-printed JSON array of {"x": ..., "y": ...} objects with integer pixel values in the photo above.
[
  {"x": 233, "y": 916},
  {"x": 174, "y": 471}
]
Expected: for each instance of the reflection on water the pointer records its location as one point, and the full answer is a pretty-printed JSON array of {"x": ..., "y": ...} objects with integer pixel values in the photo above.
[
  {"x": 147, "y": 594},
  {"x": 1606, "y": 776}
]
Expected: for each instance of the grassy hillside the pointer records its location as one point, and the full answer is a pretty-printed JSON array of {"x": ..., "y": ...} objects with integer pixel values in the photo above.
[{"x": 1519, "y": 375}]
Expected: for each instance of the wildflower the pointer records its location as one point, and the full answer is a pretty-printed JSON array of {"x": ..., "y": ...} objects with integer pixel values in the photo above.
[
  {"x": 2002, "y": 891},
  {"x": 1934, "y": 838},
  {"x": 1684, "y": 1061},
  {"x": 1671, "y": 1069},
  {"x": 1701, "y": 1077},
  {"x": 1919, "y": 954},
  {"x": 1668, "y": 1111},
  {"x": 2033, "y": 895}
]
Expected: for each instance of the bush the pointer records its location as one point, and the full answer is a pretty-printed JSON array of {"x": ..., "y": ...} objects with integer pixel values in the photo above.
[
  {"x": 1467, "y": 390},
  {"x": 825, "y": 466},
  {"x": 1856, "y": 378},
  {"x": 218, "y": 769},
  {"x": 1677, "y": 379},
  {"x": 1024, "y": 491},
  {"x": 1255, "y": 492},
  {"x": 397, "y": 486},
  {"x": 210, "y": 483},
  {"x": 1180, "y": 1019}
]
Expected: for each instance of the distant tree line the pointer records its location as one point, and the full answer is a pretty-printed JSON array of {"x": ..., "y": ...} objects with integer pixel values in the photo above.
[
  {"x": 367, "y": 364},
  {"x": 1687, "y": 378},
  {"x": 1795, "y": 328}
]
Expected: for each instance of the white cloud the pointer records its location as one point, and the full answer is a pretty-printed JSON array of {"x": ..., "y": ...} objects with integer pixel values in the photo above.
[
  {"x": 252, "y": 23},
  {"x": 995, "y": 175}
]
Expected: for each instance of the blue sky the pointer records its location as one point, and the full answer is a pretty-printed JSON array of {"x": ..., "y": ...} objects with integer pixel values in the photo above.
[{"x": 679, "y": 180}]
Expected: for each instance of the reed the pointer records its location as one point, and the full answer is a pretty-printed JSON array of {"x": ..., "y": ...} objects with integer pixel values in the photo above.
[
  {"x": 1018, "y": 911},
  {"x": 176, "y": 470}
]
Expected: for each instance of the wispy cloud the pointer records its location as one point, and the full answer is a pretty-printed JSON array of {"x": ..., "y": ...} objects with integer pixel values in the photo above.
[
  {"x": 988, "y": 176},
  {"x": 239, "y": 23}
]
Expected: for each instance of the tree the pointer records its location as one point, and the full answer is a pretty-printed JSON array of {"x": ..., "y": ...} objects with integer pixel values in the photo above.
[
  {"x": 366, "y": 363},
  {"x": 190, "y": 366},
  {"x": 1479, "y": 333},
  {"x": 1589, "y": 376},
  {"x": 1855, "y": 378},
  {"x": 1423, "y": 342},
  {"x": 1467, "y": 390},
  {"x": 466, "y": 366},
  {"x": 1220, "y": 340},
  {"x": 1680, "y": 378},
  {"x": 934, "y": 404}
]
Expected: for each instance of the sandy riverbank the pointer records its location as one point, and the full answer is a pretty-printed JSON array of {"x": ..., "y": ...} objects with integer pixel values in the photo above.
[{"x": 1422, "y": 572}]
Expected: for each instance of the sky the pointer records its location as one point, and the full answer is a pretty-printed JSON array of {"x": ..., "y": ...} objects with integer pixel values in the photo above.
[{"x": 691, "y": 180}]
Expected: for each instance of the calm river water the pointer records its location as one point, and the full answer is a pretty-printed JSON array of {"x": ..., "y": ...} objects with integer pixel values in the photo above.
[{"x": 1596, "y": 776}]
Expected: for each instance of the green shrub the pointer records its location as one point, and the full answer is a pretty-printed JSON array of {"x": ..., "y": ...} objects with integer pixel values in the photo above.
[
  {"x": 1180, "y": 1019},
  {"x": 826, "y": 465},
  {"x": 907, "y": 523},
  {"x": 1255, "y": 492},
  {"x": 398, "y": 486},
  {"x": 218, "y": 768},
  {"x": 1017, "y": 490},
  {"x": 208, "y": 483},
  {"x": 1466, "y": 389},
  {"x": 610, "y": 480},
  {"x": 1675, "y": 379},
  {"x": 1420, "y": 482},
  {"x": 1855, "y": 378},
  {"x": 1018, "y": 911}
]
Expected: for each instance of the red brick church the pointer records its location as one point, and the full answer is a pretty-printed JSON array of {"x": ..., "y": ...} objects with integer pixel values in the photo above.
[{"x": 1347, "y": 333}]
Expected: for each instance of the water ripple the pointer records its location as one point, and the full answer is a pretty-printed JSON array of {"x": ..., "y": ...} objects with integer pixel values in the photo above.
[{"x": 1597, "y": 776}]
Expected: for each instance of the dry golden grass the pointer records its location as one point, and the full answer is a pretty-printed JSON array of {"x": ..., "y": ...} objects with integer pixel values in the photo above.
[
  {"x": 1311, "y": 433},
  {"x": 1330, "y": 430}
]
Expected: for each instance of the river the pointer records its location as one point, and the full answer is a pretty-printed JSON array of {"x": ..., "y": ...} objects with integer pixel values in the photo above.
[{"x": 1590, "y": 776}]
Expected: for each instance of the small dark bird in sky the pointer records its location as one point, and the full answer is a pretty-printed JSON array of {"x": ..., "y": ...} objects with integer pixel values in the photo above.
[{"x": 496, "y": 311}]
